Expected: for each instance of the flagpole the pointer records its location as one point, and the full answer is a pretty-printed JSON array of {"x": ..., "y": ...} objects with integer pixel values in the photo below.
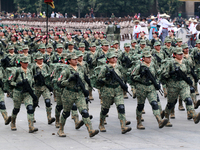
[{"x": 47, "y": 23}]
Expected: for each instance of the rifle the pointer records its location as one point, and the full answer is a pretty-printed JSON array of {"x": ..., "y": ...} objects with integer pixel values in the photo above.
[
  {"x": 166, "y": 52},
  {"x": 197, "y": 58},
  {"x": 5, "y": 62},
  {"x": 3, "y": 43},
  {"x": 181, "y": 75},
  {"x": 77, "y": 39},
  {"x": 27, "y": 88},
  {"x": 157, "y": 58},
  {"x": 88, "y": 81},
  {"x": 80, "y": 84},
  {"x": 86, "y": 43},
  {"x": 66, "y": 45},
  {"x": 116, "y": 78},
  {"x": 102, "y": 56},
  {"x": 150, "y": 77},
  {"x": 1, "y": 84},
  {"x": 89, "y": 61},
  {"x": 194, "y": 75},
  {"x": 41, "y": 81},
  {"x": 126, "y": 60}
]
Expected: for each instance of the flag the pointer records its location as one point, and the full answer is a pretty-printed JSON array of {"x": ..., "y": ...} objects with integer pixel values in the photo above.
[{"x": 50, "y": 2}]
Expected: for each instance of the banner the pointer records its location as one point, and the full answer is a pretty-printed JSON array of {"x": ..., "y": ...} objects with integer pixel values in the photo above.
[{"x": 50, "y": 2}]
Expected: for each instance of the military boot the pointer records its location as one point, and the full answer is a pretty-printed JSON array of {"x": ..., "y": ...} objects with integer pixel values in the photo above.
[
  {"x": 50, "y": 119},
  {"x": 101, "y": 126},
  {"x": 134, "y": 92},
  {"x": 125, "y": 95},
  {"x": 196, "y": 104},
  {"x": 139, "y": 123},
  {"x": 196, "y": 117},
  {"x": 90, "y": 95},
  {"x": 168, "y": 123},
  {"x": 6, "y": 118},
  {"x": 189, "y": 117},
  {"x": 161, "y": 122},
  {"x": 13, "y": 125},
  {"x": 165, "y": 92},
  {"x": 61, "y": 131},
  {"x": 172, "y": 115},
  {"x": 143, "y": 112},
  {"x": 162, "y": 114},
  {"x": 128, "y": 122},
  {"x": 78, "y": 123},
  {"x": 91, "y": 131},
  {"x": 31, "y": 127},
  {"x": 180, "y": 107},
  {"x": 57, "y": 122},
  {"x": 124, "y": 128}
]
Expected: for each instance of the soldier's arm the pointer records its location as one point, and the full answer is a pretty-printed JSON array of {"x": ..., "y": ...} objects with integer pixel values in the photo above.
[
  {"x": 135, "y": 73},
  {"x": 102, "y": 73},
  {"x": 12, "y": 78},
  {"x": 64, "y": 77}
]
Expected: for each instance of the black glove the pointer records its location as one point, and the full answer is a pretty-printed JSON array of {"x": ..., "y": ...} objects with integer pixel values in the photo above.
[
  {"x": 1, "y": 53},
  {"x": 108, "y": 76},
  {"x": 124, "y": 87},
  {"x": 19, "y": 84},
  {"x": 59, "y": 85},
  {"x": 73, "y": 78},
  {"x": 86, "y": 93}
]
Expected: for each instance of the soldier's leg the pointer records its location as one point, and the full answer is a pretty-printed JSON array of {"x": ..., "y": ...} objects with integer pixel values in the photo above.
[
  {"x": 3, "y": 108},
  {"x": 17, "y": 98},
  {"x": 152, "y": 97},
  {"x": 81, "y": 105},
  {"x": 67, "y": 101},
  {"x": 171, "y": 102},
  {"x": 141, "y": 96},
  {"x": 58, "y": 108},
  {"x": 105, "y": 106},
  {"x": 28, "y": 102},
  {"x": 90, "y": 94},
  {"x": 159, "y": 103},
  {"x": 75, "y": 117},
  {"x": 47, "y": 99},
  {"x": 119, "y": 102},
  {"x": 194, "y": 98},
  {"x": 165, "y": 90},
  {"x": 133, "y": 91},
  {"x": 185, "y": 94},
  {"x": 180, "y": 106}
]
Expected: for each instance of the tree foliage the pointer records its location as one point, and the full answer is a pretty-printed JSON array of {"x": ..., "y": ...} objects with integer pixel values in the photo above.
[{"x": 100, "y": 7}]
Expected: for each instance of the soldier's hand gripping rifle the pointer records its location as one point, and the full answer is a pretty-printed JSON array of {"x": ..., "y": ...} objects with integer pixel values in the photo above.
[
  {"x": 126, "y": 60},
  {"x": 79, "y": 83},
  {"x": 27, "y": 88},
  {"x": 87, "y": 80},
  {"x": 150, "y": 77},
  {"x": 89, "y": 61},
  {"x": 5, "y": 62},
  {"x": 115, "y": 77}
]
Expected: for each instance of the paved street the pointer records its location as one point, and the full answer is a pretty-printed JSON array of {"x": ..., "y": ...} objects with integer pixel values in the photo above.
[{"x": 183, "y": 135}]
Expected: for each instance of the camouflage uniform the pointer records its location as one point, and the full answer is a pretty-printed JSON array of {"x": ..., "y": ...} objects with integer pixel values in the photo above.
[
  {"x": 70, "y": 96},
  {"x": 16, "y": 81},
  {"x": 177, "y": 86},
  {"x": 111, "y": 93}
]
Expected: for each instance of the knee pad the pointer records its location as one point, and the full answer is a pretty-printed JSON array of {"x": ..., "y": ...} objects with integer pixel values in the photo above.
[
  {"x": 188, "y": 101},
  {"x": 30, "y": 109},
  {"x": 2, "y": 105},
  {"x": 59, "y": 107},
  {"x": 104, "y": 111},
  {"x": 15, "y": 111},
  {"x": 192, "y": 90},
  {"x": 84, "y": 113},
  {"x": 170, "y": 105},
  {"x": 154, "y": 105},
  {"x": 121, "y": 109},
  {"x": 66, "y": 114},
  {"x": 158, "y": 99},
  {"x": 140, "y": 107},
  {"x": 74, "y": 107},
  {"x": 48, "y": 102}
]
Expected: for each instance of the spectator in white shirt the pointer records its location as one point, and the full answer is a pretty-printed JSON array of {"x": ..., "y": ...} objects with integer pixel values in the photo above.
[{"x": 136, "y": 29}]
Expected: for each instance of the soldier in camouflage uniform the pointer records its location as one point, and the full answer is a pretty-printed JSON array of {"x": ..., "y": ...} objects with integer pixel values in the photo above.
[
  {"x": 176, "y": 85},
  {"x": 2, "y": 103},
  {"x": 133, "y": 46},
  {"x": 112, "y": 92},
  {"x": 42, "y": 84},
  {"x": 110, "y": 29},
  {"x": 16, "y": 81},
  {"x": 146, "y": 89},
  {"x": 73, "y": 93},
  {"x": 56, "y": 57}
]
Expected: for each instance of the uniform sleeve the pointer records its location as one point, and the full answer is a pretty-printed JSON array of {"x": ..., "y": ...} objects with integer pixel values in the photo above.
[
  {"x": 64, "y": 77},
  {"x": 101, "y": 76}
]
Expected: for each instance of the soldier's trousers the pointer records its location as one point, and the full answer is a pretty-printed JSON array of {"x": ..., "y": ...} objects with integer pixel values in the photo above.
[
  {"x": 68, "y": 99},
  {"x": 2, "y": 105},
  {"x": 117, "y": 37},
  {"x": 47, "y": 98},
  {"x": 110, "y": 38},
  {"x": 18, "y": 97},
  {"x": 172, "y": 97},
  {"x": 110, "y": 96},
  {"x": 149, "y": 92},
  {"x": 59, "y": 105}
]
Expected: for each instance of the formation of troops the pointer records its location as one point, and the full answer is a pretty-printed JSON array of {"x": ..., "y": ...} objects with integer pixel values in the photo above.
[{"x": 71, "y": 65}]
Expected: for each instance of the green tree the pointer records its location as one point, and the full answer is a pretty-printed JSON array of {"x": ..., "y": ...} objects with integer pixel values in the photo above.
[
  {"x": 169, "y": 6},
  {"x": 80, "y": 5},
  {"x": 94, "y": 5}
]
